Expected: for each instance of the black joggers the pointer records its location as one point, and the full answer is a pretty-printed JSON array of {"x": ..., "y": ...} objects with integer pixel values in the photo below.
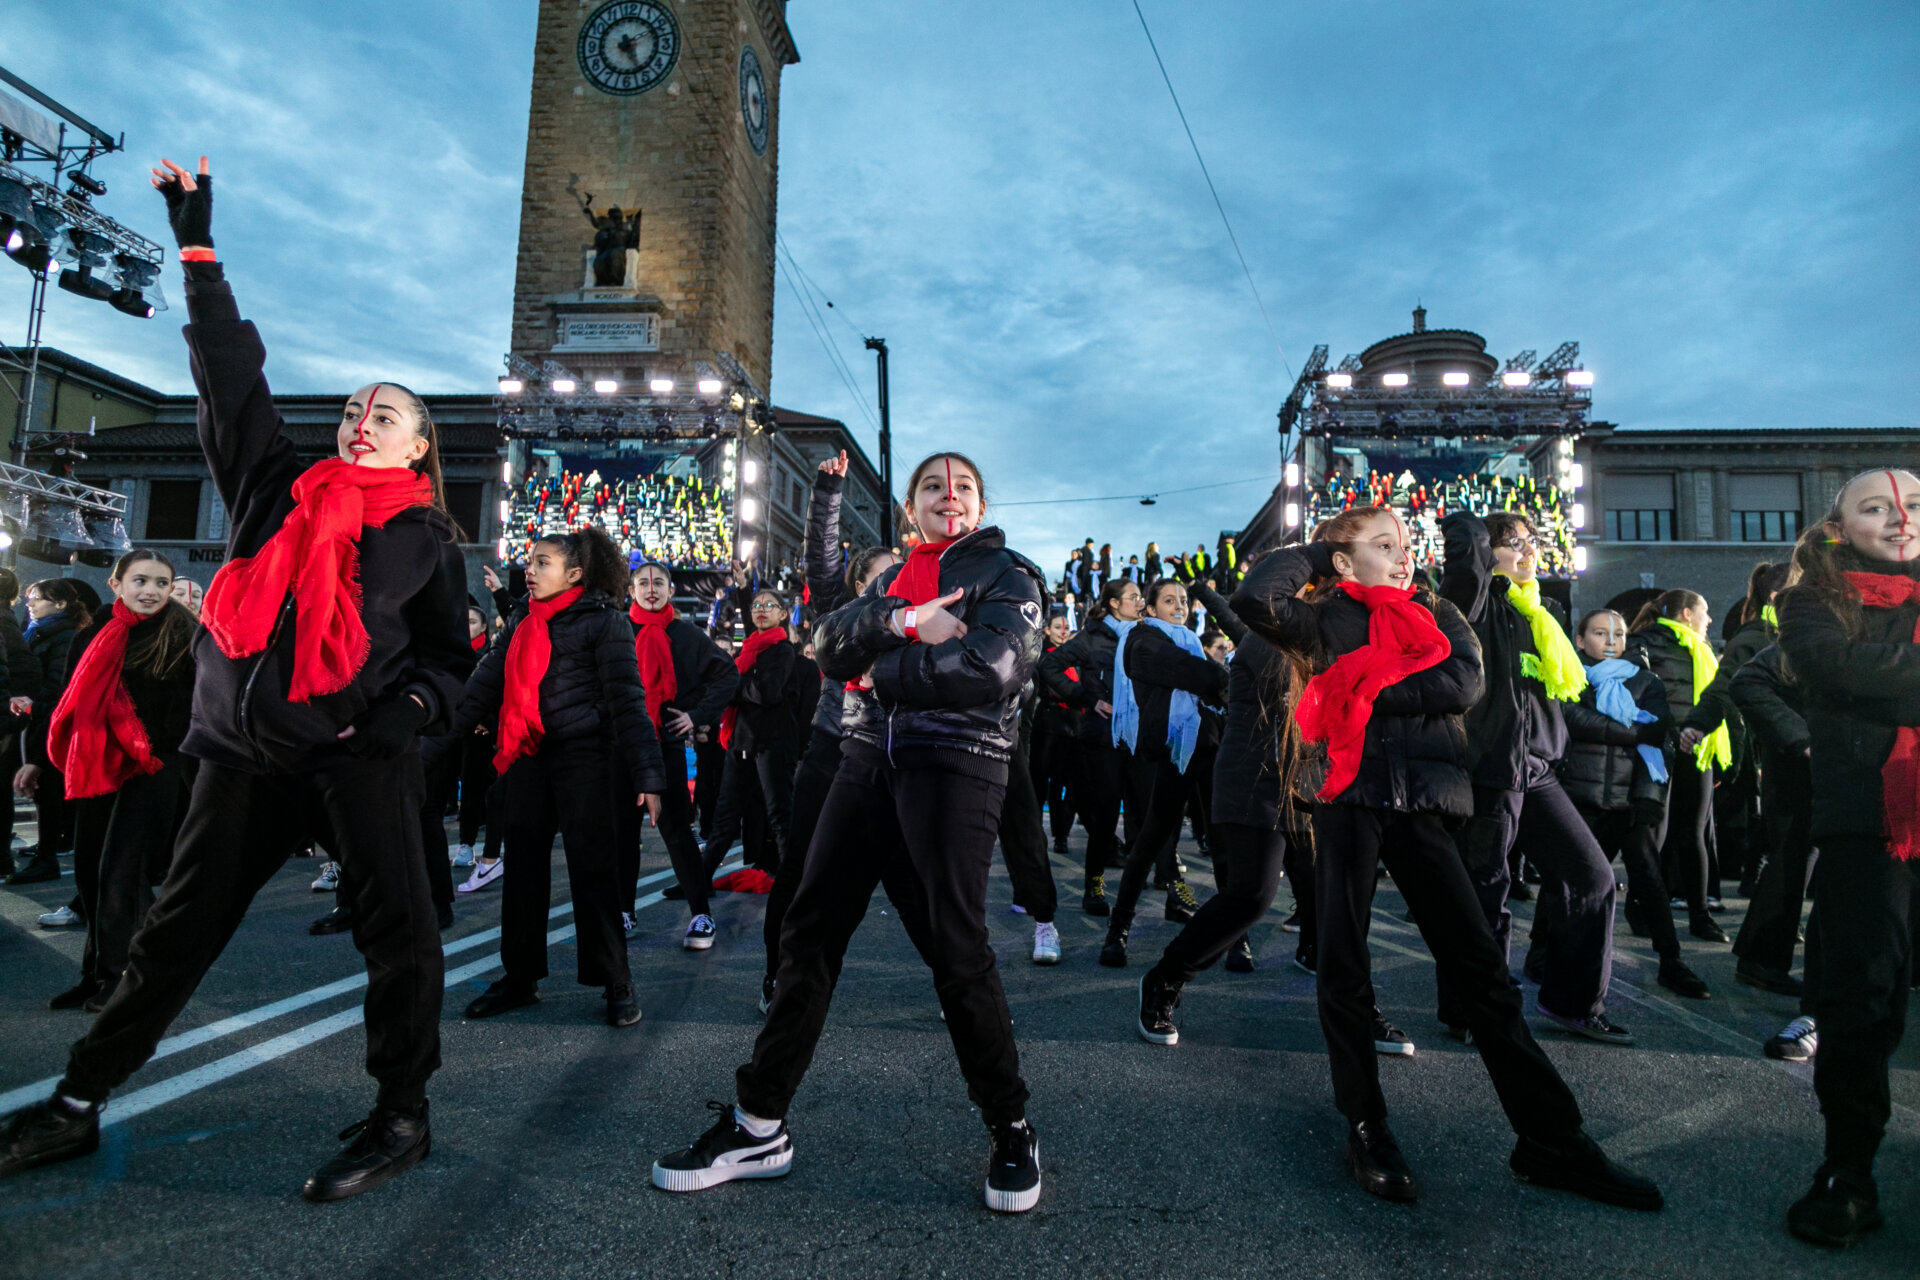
[
  {"x": 1247, "y": 864},
  {"x": 239, "y": 829},
  {"x": 1425, "y": 864},
  {"x": 564, "y": 788},
  {"x": 811, "y": 782},
  {"x": 116, "y": 838},
  {"x": 929, "y": 833},
  {"x": 1023, "y": 842},
  {"x": 676, "y": 832}
]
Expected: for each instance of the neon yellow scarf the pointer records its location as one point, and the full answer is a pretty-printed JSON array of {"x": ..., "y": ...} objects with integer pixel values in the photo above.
[
  {"x": 1716, "y": 747},
  {"x": 1557, "y": 664},
  {"x": 1769, "y": 616}
]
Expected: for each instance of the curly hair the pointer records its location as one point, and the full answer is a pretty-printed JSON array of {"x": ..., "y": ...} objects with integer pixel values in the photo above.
[{"x": 602, "y": 565}]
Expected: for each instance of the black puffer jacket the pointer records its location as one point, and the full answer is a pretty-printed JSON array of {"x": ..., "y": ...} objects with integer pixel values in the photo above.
[
  {"x": 1603, "y": 768},
  {"x": 50, "y": 646},
  {"x": 963, "y": 695},
  {"x": 1157, "y": 666},
  {"x": 826, "y": 586},
  {"x": 704, "y": 677},
  {"x": 1515, "y": 733},
  {"x": 23, "y": 672},
  {"x": 769, "y": 701},
  {"x": 591, "y": 689},
  {"x": 1246, "y": 773},
  {"x": 1055, "y": 717},
  {"x": 1658, "y": 650},
  {"x": 413, "y": 578},
  {"x": 1771, "y": 704},
  {"x": 164, "y": 705},
  {"x": 1414, "y": 759},
  {"x": 1090, "y": 653},
  {"x": 1860, "y": 690}
]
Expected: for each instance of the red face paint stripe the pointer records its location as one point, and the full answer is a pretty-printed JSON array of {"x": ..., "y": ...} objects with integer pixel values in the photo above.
[{"x": 1900, "y": 505}]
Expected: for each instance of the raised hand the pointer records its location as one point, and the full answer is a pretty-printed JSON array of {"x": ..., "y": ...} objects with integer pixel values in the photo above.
[
  {"x": 189, "y": 203},
  {"x": 488, "y": 576},
  {"x": 835, "y": 466}
]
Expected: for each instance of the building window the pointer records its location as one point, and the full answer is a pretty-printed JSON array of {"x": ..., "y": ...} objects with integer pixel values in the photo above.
[
  {"x": 173, "y": 511},
  {"x": 1639, "y": 506},
  {"x": 464, "y": 501},
  {"x": 1766, "y": 506},
  {"x": 1640, "y": 525}
]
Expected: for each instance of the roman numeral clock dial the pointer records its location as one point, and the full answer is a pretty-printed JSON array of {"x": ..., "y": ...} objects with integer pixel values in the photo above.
[{"x": 629, "y": 46}]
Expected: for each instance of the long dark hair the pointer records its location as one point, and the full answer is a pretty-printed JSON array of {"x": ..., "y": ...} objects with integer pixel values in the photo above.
[
  {"x": 1668, "y": 604},
  {"x": 1109, "y": 596},
  {"x": 429, "y": 463},
  {"x": 61, "y": 591},
  {"x": 601, "y": 564},
  {"x": 860, "y": 566},
  {"x": 1762, "y": 583},
  {"x": 165, "y": 640}
]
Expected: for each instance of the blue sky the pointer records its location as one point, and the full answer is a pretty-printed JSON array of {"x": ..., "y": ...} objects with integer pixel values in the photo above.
[{"x": 1717, "y": 201}]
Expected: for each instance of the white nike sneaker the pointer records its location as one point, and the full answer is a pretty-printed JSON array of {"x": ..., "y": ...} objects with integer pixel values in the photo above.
[
  {"x": 1046, "y": 944},
  {"x": 64, "y": 918},
  {"x": 460, "y": 855},
  {"x": 484, "y": 874},
  {"x": 700, "y": 933},
  {"x": 329, "y": 878}
]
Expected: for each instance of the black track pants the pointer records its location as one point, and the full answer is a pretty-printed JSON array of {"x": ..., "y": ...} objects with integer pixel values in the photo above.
[
  {"x": 115, "y": 839},
  {"x": 564, "y": 788},
  {"x": 1247, "y": 863},
  {"x": 676, "y": 832}
]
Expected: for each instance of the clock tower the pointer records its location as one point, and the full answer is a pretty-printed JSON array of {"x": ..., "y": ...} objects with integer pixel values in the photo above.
[{"x": 647, "y": 210}]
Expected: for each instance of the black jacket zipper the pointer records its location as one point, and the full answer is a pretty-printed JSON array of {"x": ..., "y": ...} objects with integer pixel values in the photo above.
[{"x": 246, "y": 690}]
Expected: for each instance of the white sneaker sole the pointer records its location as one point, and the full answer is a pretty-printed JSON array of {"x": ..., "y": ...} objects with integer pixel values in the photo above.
[
  {"x": 1046, "y": 957},
  {"x": 1392, "y": 1049},
  {"x": 1151, "y": 1037},
  {"x": 1016, "y": 1201},
  {"x": 775, "y": 1165},
  {"x": 691, "y": 943},
  {"x": 471, "y": 885}
]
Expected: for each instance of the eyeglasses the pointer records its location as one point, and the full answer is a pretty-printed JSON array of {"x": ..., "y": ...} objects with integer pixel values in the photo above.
[
  {"x": 1520, "y": 546},
  {"x": 1131, "y": 597}
]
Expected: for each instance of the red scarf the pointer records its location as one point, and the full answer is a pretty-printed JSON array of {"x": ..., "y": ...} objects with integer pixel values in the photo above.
[
  {"x": 743, "y": 661},
  {"x": 919, "y": 578},
  {"x": 1900, "y": 775},
  {"x": 655, "y": 656},
  {"x": 1402, "y": 638},
  {"x": 478, "y": 643},
  {"x": 316, "y": 555},
  {"x": 527, "y": 656},
  {"x": 95, "y": 738}
]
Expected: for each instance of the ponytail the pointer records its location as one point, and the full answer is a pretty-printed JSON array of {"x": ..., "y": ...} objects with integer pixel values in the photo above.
[{"x": 1668, "y": 604}]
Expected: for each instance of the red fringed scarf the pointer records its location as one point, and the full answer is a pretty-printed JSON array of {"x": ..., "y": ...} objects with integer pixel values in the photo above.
[
  {"x": 95, "y": 737},
  {"x": 316, "y": 555},
  {"x": 527, "y": 656},
  {"x": 756, "y": 644},
  {"x": 655, "y": 656},
  {"x": 1402, "y": 638},
  {"x": 478, "y": 643},
  {"x": 919, "y": 578},
  {"x": 1900, "y": 775}
]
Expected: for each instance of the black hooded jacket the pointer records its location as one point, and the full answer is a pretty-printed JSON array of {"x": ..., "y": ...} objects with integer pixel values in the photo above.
[
  {"x": 1246, "y": 773},
  {"x": 1515, "y": 732},
  {"x": 1090, "y": 652},
  {"x": 769, "y": 700},
  {"x": 1055, "y": 717},
  {"x": 591, "y": 690},
  {"x": 413, "y": 578},
  {"x": 50, "y": 643},
  {"x": 960, "y": 696},
  {"x": 1603, "y": 768},
  {"x": 1414, "y": 757},
  {"x": 826, "y": 586},
  {"x": 1771, "y": 704},
  {"x": 1157, "y": 666},
  {"x": 1859, "y": 692}
]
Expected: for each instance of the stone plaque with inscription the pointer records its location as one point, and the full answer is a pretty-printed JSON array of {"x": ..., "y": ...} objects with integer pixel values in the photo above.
[{"x": 634, "y": 331}]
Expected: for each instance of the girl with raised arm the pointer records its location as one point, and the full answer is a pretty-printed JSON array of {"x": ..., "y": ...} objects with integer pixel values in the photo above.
[{"x": 332, "y": 638}]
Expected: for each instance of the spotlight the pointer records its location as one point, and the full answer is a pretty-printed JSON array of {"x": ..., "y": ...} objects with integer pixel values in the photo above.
[
  {"x": 83, "y": 283},
  {"x": 6, "y": 540},
  {"x": 1580, "y": 377},
  {"x": 1339, "y": 381},
  {"x": 512, "y": 386},
  {"x": 1577, "y": 515},
  {"x": 506, "y": 510},
  {"x": 565, "y": 386},
  {"x": 1293, "y": 475},
  {"x": 503, "y": 551},
  {"x": 132, "y": 303},
  {"x": 140, "y": 282},
  {"x": 1393, "y": 380},
  {"x": 605, "y": 386},
  {"x": 661, "y": 386},
  {"x": 1454, "y": 379},
  {"x": 1578, "y": 475},
  {"x": 736, "y": 402},
  {"x": 746, "y": 549},
  {"x": 1579, "y": 559},
  {"x": 16, "y": 238},
  {"x": 749, "y": 510},
  {"x": 506, "y": 473},
  {"x": 749, "y": 471},
  {"x": 711, "y": 386},
  {"x": 87, "y": 183},
  {"x": 1292, "y": 514},
  {"x": 1516, "y": 378}
]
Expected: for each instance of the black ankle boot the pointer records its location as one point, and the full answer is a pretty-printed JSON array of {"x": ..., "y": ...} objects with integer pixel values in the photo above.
[
  {"x": 1842, "y": 1207},
  {"x": 1114, "y": 954},
  {"x": 386, "y": 1143},
  {"x": 1376, "y": 1162}
]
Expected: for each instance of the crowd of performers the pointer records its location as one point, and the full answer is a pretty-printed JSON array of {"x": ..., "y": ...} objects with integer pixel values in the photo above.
[{"x": 1345, "y": 710}]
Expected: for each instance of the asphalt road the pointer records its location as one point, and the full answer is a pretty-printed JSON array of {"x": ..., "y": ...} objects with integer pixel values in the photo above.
[{"x": 1220, "y": 1157}]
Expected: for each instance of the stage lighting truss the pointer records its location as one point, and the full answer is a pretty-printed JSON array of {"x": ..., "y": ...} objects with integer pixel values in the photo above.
[
  {"x": 720, "y": 401},
  {"x": 57, "y": 508},
  {"x": 1526, "y": 399},
  {"x": 42, "y": 227}
]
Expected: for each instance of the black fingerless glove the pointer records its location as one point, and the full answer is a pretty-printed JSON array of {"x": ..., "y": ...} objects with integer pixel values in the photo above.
[
  {"x": 386, "y": 729},
  {"x": 1652, "y": 733},
  {"x": 190, "y": 212}
]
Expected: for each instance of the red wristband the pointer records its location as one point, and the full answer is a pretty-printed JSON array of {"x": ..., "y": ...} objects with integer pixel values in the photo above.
[
  {"x": 907, "y": 628},
  {"x": 197, "y": 255}
]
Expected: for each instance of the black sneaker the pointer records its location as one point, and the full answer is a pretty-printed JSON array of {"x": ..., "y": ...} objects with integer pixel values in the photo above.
[
  {"x": 766, "y": 994},
  {"x": 1682, "y": 981},
  {"x": 1389, "y": 1039},
  {"x": 1094, "y": 901},
  {"x": 1239, "y": 958},
  {"x": 623, "y": 1007},
  {"x": 37, "y": 868},
  {"x": 1798, "y": 1041},
  {"x": 1757, "y": 975},
  {"x": 387, "y": 1143},
  {"x": 1113, "y": 954},
  {"x": 338, "y": 920},
  {"x": 1292, "y": 923},
  {"x": 1181, "y": 904},
  {"x": 1158, "y": 1000},
  {"x": 1013, "y": 1174},
  {"x": 500, "y": 997},
  {"x": 47, "y": 1133},
  {"x": 1841, "y": 1207},
  {"x": 1307, "y": 960},
  {"x": 723, "y": 1153},
  {"x": 75, "y": 997},
  {"x": 674, "y": 893},
  {"x": 1580, "y": 1166},
  {"x": 1376, "y": 1162},
  {"x": 1704, "y": 928},
  {"x": 1597, "y": 1028}
]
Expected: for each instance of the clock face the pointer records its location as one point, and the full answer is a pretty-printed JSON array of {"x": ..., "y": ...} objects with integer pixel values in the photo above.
[
  {"x": 629, "y": 46},
  {"x": 753, "y": 99}
]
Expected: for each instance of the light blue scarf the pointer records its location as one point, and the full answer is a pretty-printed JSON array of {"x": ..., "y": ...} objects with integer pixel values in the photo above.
[
  {"x": 1610, "y": 696},
  {"x": 1183, "y": 710}
]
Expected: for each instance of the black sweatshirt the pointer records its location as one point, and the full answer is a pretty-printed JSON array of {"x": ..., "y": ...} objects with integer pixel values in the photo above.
[
  {"x": 413, "y": 578},
  {"x": 704, "y": 677},
  {"x": 164, "y": 705}
]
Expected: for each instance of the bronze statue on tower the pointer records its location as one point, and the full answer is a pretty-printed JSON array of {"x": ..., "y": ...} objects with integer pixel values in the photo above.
[{"x": 613, "y": 235}]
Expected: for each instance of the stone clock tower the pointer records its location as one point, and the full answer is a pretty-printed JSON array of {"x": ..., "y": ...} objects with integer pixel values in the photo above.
[{"x": 667, "y": 109}]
